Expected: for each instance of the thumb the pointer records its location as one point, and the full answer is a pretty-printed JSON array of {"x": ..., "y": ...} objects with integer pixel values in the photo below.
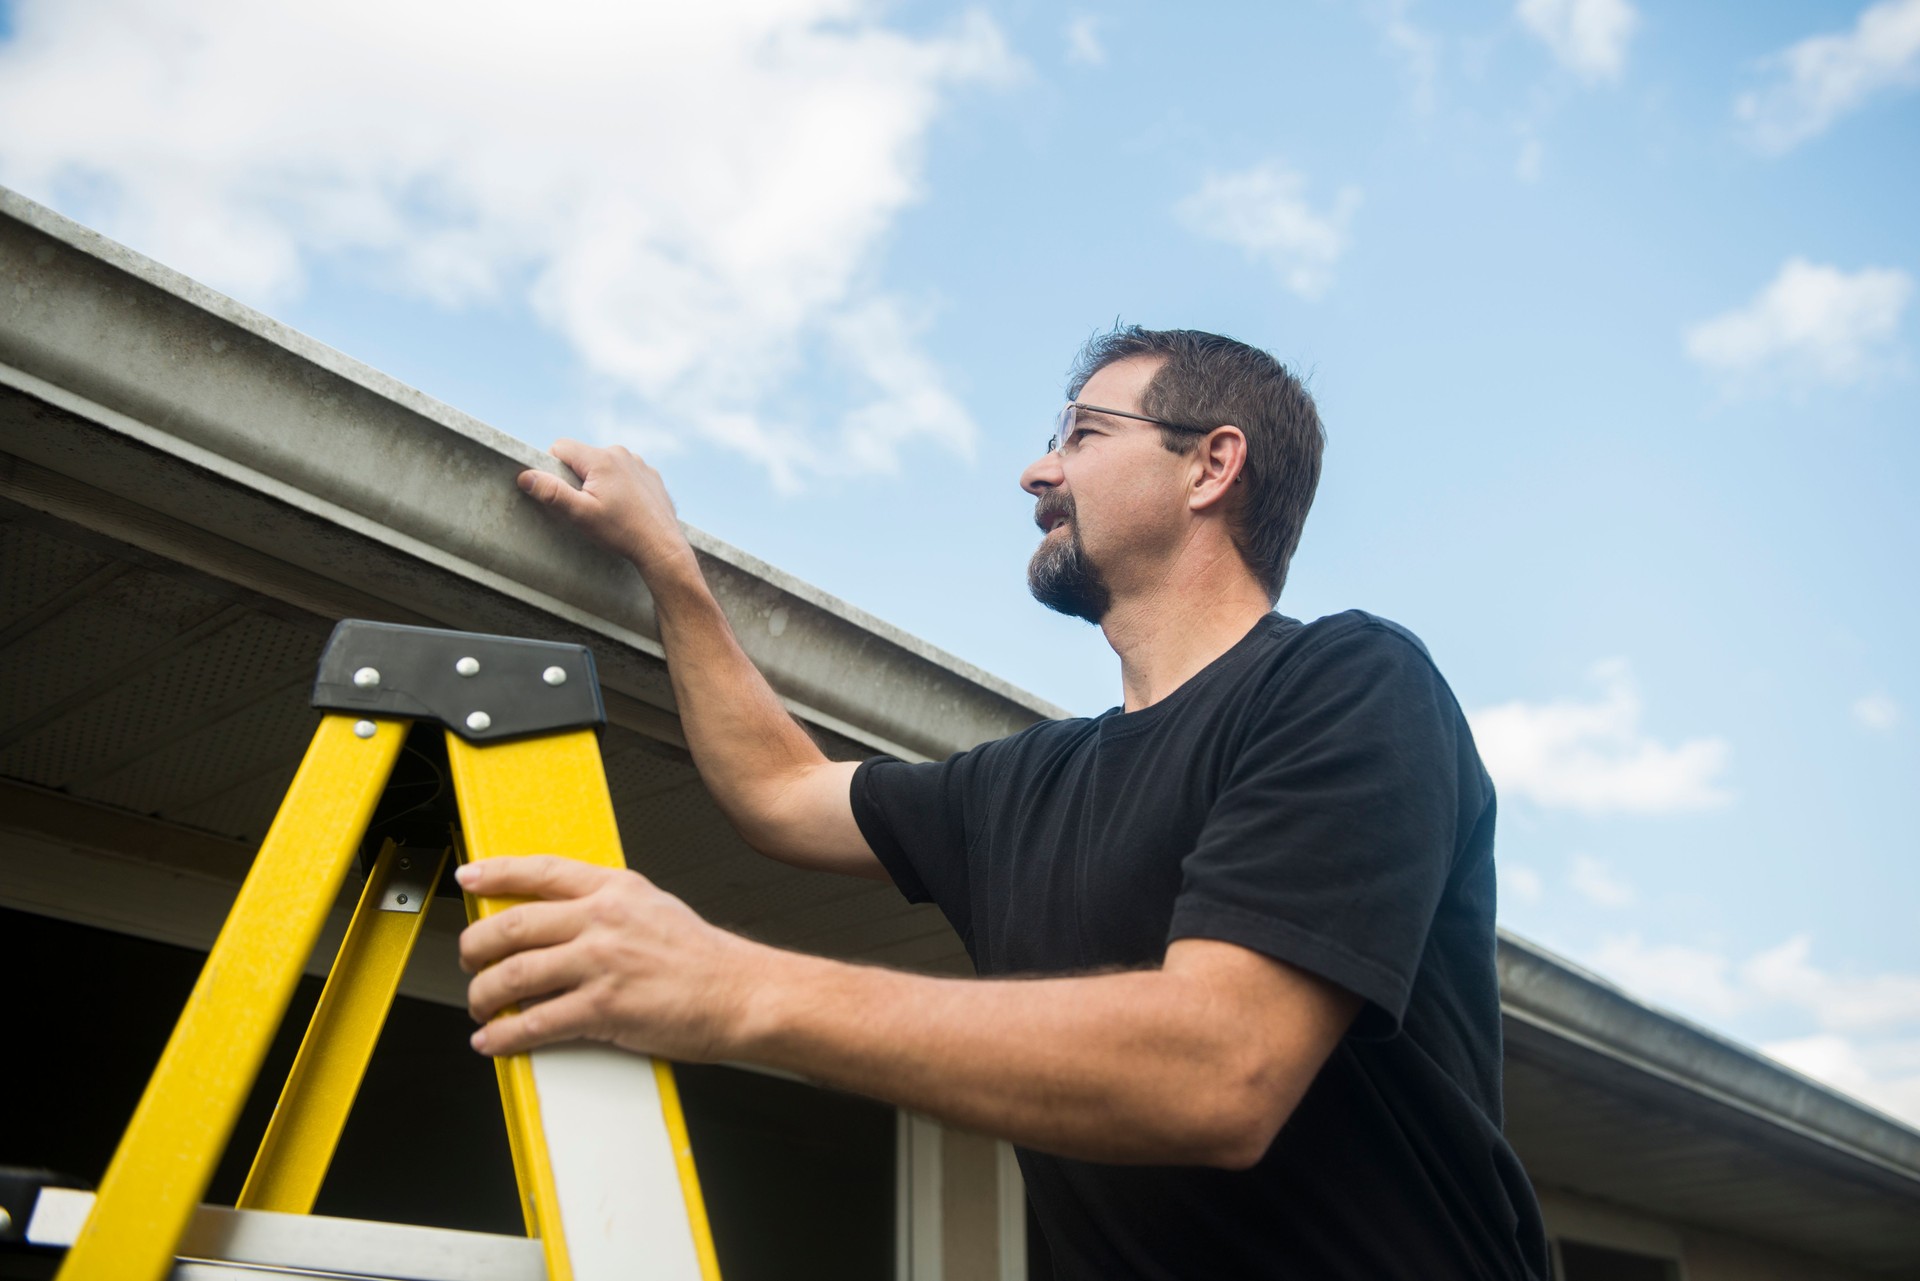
[{"x": 548, "y": 489}]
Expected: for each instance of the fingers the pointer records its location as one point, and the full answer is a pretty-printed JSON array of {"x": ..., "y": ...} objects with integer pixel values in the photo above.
[
  {"x": 565, "y": 1018},
  {"x": 518, "y": 929},
  {"x": 598, "y": 953},
  {"x": 545, "y": 876},
  {"x": 542, "y": 485},
  {"x": 576, "y": 455},
  {"x": 550, "y": 490},
  {"x": 621, "y": 502},
  {"x": 598, "y": 468},
  {"x": 524, "y": 978}
]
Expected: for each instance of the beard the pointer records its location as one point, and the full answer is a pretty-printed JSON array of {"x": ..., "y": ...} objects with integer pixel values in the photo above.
[{"x": 1061, "y": 576}]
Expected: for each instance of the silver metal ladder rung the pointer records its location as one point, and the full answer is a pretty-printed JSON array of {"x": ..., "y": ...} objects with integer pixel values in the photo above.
[{"x": 223, "y": 1244}]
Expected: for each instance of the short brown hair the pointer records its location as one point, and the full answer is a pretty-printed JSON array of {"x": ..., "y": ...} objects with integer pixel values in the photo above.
[{"x": 1206, "y": 380}]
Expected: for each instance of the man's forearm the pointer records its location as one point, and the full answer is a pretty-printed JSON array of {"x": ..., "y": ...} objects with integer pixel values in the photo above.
[
  {"x": 753, "y": 756},
  {"x": 1198, "y": 1061},
  {"x": 1130, "y": 1067},
  {"x": 742, "y": 738}
]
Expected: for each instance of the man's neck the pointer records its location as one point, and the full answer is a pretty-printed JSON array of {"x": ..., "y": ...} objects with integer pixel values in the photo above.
[{"x": 1191, "y": 616}]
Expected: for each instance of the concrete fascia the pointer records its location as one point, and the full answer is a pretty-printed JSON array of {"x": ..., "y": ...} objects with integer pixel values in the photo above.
[{"x": 150, "y": 357}]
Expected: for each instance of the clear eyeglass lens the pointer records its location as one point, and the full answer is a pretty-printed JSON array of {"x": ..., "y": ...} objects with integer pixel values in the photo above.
[{"x": 1062, "y": 429}]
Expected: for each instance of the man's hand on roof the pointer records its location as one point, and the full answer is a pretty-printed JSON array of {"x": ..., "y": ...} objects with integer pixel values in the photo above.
[
  {"x": 770, "y": 778},
  {"x": 621, "y": 502}
]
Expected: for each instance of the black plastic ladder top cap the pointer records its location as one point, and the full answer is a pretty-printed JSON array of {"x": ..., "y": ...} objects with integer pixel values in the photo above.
[{"x": 483, "y": 688}]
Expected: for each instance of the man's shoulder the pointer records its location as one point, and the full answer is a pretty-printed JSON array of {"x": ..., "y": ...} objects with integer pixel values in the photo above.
[
  {"x": 1351, "y": 636},
  {"x": 1340, "y": 662},
  {"x": 1349, "y": 644},
  {"x": 1037, "y": 740}
]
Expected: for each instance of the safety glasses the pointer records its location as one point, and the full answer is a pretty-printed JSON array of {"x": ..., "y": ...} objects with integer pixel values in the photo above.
[{"x": 1070, "y": 412}]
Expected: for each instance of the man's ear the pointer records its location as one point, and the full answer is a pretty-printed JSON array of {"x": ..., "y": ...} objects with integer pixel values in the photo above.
[{"x": 1217, "y": 467}]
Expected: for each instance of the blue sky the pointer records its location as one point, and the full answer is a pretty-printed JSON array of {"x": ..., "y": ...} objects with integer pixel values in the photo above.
[{"x": 1607, "y": 304}]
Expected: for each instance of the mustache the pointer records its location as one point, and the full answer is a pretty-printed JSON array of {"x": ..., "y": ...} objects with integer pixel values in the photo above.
[{"x": 1050, "y": 504}]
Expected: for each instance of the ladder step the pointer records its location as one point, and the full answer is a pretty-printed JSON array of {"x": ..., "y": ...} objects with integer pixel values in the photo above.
[{"x": 222, "y": 1242}]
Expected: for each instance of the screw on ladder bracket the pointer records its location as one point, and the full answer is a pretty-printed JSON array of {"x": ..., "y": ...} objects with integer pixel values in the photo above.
[
  {"x": 410, "y": 883},
  {"x": 391, "y": 672}
]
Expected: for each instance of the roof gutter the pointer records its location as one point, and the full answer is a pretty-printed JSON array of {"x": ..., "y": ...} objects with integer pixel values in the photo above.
[
  {"x": 157, "y": 367},
  {"x": 1559, "y": 1007}
]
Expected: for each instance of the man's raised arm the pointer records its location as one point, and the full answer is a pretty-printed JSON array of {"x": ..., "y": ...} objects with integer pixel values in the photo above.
[{"x": 777, "y": 788}]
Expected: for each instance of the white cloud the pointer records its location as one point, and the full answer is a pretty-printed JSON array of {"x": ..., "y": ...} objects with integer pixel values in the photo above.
[
  {"x": 1596, "y": 883},
  {"x": 693, "y": 196},
  {"x": 1588, "y": 37},
  {"x": 1592, "y": 756},
  {"x": 1264, "y": 212},
  {"x": 1083, "y": 42},
  {"x": 1824, "y": 77},
  {"x": 1526, "y": 166},
  {"x": 1519, "y": 882},
  {"x": 1863, "y": 1031},
  {"x": 1811, "y": 323},
  {"x": 1417, "y": 49},
  {"x": 908, "y": 399},
  {"x": 1693, "y": 980},
  {"x": 1876, "y": 711},
  {"x": 1786, "y": 975},
  {"x": 1703, "y": 981},
  {"x": 1883, "y": 1073}
]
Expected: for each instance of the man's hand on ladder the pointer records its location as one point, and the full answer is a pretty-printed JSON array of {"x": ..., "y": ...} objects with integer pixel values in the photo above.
[{"x": 604, "y": 955}]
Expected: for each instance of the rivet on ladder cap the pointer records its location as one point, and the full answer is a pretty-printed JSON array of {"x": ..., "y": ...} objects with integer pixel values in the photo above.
[
  {"x": 401, "y": 899},
  {"x": 554, "y": 676},
  {"x": 477, "y": 721},
  {"x": 367, "y": 678},
  {"x": 363, "y": 729},
  {"x": 467, "y": 666}
]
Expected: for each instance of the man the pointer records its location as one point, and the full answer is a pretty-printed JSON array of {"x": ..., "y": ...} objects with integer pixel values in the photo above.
[{"x": 1238, "y": 1006}]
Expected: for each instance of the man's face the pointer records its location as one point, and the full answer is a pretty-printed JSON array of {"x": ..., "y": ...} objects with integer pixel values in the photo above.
[{"x": 1106, "y": 496}]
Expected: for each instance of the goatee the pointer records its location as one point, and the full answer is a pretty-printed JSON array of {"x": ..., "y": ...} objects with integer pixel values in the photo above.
[{"x": 1060, "y": 575}]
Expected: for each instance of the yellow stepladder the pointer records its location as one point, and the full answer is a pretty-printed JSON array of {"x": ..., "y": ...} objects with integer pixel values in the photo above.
[{"x": 599, "y": 1141}]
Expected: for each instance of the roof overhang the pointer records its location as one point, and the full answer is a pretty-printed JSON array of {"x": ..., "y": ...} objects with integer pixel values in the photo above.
[
  {"x": 160, "y": 431},
  {"x": 141, "y": 398},
  {"x": 1616, "y": 1100}
]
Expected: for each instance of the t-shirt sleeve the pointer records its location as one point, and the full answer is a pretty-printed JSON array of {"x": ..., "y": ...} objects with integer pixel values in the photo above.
[
  {"x": 1333, "y": 835},
  {"x": 916, "y": 820}
]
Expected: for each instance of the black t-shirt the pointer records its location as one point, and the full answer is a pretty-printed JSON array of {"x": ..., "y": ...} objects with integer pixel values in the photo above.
[{"x": 1314, "y": 795}]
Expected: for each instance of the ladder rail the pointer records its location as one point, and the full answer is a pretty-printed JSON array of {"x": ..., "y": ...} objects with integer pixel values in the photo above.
[
  {"x": 305, "y": 1129},
  {"x": 620, "y": 1119},
  {"x": 179, "y": 1129}
]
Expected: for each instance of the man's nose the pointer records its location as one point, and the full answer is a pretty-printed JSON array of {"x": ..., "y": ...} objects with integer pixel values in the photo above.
[{"x": 1042, "y": 474}]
